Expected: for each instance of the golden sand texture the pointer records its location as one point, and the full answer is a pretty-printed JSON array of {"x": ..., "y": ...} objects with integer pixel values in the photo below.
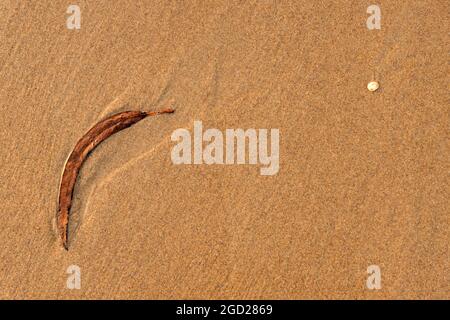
[{"x": 363, "y": 175}]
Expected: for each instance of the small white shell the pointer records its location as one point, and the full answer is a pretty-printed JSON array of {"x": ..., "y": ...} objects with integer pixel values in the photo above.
[{"x": 373, "y": 86}]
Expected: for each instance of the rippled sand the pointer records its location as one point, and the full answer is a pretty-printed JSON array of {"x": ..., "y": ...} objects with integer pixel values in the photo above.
[{"x": 363, "y": 175}]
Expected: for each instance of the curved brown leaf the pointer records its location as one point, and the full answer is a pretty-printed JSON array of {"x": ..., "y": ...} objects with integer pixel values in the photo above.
[{"x": 84, "y": 146}]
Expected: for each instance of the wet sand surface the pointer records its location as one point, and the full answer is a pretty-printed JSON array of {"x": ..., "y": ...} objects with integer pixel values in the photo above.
[{"x": 363, "y": 176}]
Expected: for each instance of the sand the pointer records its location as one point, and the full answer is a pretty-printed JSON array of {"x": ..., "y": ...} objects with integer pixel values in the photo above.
[{"x": 363, "y": 176}]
